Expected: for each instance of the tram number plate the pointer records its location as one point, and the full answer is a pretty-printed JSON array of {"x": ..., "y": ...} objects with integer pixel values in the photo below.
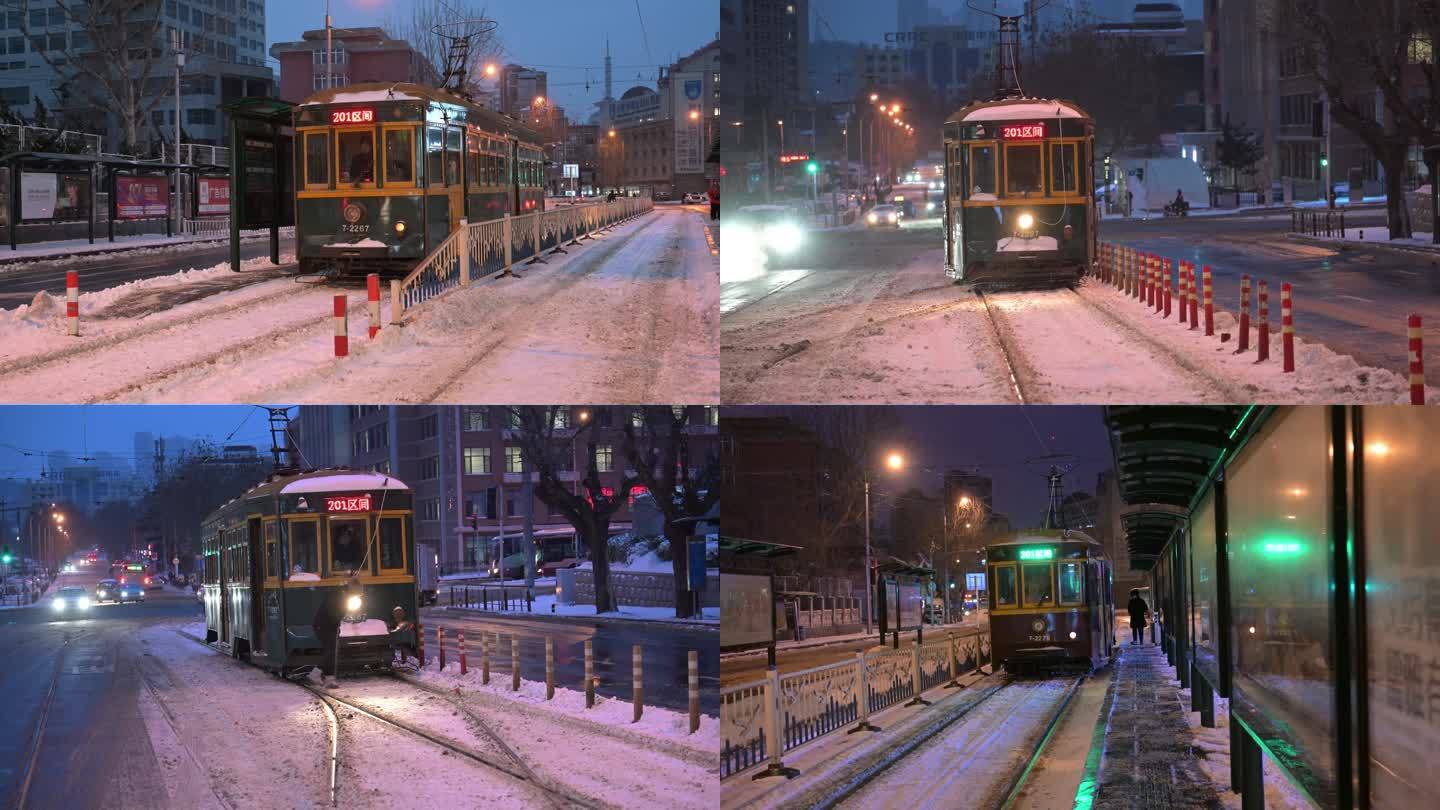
[
  {"x": 352, "y": 503},
  {"x": 1041, "y": 637},
  {"x": 346, "y": 227},
  {"x": 1022, "y": 131}
]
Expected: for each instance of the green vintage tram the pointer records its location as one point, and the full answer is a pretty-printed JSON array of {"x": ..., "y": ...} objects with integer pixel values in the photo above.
[
  {"x": 1051, "y": 601},
  {"x": 385, "y": 171},
  {"x": 1019, "y": 197},
  {"x": 274, "y": 552}
]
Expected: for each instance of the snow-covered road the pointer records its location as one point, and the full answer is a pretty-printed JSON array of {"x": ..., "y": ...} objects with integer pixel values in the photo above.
[
  {"x": 631, "y": 317},
  {"x": 888, "y": 334}
]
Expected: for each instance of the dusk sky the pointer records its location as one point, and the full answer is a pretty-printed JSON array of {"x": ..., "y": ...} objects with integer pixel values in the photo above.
[
  {"x": 998, "y": 440},
  {"x": 869, "y": 20},
  {"x": 562, "y": 37},
  {"x": 82, "y": 429}
]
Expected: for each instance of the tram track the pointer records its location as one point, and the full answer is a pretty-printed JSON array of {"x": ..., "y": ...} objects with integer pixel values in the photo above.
[
  {"x": 1013, "y": 698},
  {"x": 37, "y": 737},
  {"x": 173, "y": 722},
  {"x": 1007, "y": 349}
]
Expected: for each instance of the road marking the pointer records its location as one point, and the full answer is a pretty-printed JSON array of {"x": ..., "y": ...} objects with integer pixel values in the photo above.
[{"x": 1356, "y": 298}]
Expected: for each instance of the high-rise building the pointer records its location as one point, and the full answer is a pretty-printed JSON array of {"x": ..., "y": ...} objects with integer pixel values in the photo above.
[
  {"x": 520, "y": 87},
  {"x": 358, "y": 55},
  {"x": 224, "y": 43}
]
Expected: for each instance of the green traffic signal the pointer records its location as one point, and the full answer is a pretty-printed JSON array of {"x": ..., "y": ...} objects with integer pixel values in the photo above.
[
  {"x": 812, "y": 167},
  {"x": 1324, "y": 159}
]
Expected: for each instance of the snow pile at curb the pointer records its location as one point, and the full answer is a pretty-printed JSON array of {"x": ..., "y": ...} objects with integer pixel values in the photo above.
[
  {"x": 1321, "y": 374},
  {"x": 658, "y": 723},
  {"x": 1212, "y": 746},
  {"x": 56, "y": 254}
]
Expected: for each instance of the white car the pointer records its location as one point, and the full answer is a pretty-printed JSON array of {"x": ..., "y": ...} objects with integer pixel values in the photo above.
[
  {"x": 696, "y": 199},
  {"x": 883, "y": 216}
]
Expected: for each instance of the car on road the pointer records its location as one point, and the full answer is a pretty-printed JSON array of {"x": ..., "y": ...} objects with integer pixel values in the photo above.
[
  {"x": 129, "y": 592},
  {"x": 107, "y": 590},
  {"x": 71, "y": 600},
  {"x": 695, "y": 198},
  {"x": 154, "y": 583},
  {"x": 777, "y": 230},
  {"x": 883, "y": 216}
]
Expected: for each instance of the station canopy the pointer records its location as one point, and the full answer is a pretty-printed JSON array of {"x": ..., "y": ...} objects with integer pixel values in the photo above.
[{"x": 1163, "y": 456}]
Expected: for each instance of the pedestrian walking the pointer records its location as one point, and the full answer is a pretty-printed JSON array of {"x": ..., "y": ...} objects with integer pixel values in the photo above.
[
  {"x": 401, "y": 646},
  {"x": 327, "y": 628},
  {"x": 1157, "y": 626},
  {"x": 1138, "y": 611},
  {"x": 714, "y": 194}
]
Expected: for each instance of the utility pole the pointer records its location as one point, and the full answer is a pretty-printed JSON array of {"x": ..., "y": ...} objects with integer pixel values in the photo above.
[
  {"x": 179, "y": 68},
  {"x": 765, "y": 150}
]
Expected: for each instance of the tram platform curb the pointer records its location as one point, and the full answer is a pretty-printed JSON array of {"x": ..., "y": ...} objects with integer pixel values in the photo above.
[
  {"x": 1378, "y": 246},
  {"x": 669, "y": 624}
]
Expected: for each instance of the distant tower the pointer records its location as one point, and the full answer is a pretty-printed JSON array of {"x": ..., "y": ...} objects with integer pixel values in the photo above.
[
  {"x": 159, "y": 460},
  {"x": 608, "y": 71},
  {"x": 1054, "y": 514}
]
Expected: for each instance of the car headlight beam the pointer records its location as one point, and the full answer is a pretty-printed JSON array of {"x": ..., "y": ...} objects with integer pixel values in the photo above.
[
  {"x": 59, "y": 604},
  {"x": 84, "y": 603},
  {"x": 783, "y": 238}
]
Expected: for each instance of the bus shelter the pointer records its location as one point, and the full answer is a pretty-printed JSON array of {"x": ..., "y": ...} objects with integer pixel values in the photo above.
[
  {"x": 262, "y": 162},
  {"x": 905, "y": 590},
  {"x": 748, "y": 613},
  {"x": 56, "y": 188}
]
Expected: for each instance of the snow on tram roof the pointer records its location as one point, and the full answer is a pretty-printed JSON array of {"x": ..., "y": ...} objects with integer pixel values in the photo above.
[
  {"x": 361, "y": 96},
  {"x": 1029, "y": 536},
  {"x": 1019, "y": 108},
  {"x": 342, "y": 482}
]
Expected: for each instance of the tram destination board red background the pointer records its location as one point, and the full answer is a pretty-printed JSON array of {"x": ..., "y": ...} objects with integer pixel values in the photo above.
[
  {"x": 362, "y": 115},
  {"x": 349, "y": 503}
]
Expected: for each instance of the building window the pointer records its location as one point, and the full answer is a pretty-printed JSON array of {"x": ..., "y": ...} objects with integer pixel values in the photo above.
[
  {"x": 712, "y": 415},
  {"x": 477, "y": 461},
  {"x": 477, "y": 418},
  {"x": 514, "y": 462},
  {"x": 430, "y": 509},
  {"x": 561, "y": 418},
  {"x": 429, "y": 468},
  {"x": 430, "y": 426},
  {"x": 604, "y": 458}
]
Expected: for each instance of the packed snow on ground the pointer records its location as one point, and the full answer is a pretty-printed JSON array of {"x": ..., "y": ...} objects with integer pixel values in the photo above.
[
  {"x": 1380, "y": 234},
  {"x": 629, "y": 318}
]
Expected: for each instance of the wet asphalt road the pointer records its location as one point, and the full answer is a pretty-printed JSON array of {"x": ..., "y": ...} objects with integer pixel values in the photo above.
[
  {"x": 18, "y": 284},
  {"x": 664, "y": 653},
  {"x": 83, "y": 675}
]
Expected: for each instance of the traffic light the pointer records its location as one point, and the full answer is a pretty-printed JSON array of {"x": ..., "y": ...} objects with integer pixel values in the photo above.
[
  {"x": 5, "y": 555},
  {"x": 1324, "y": 160},
  {"x": 812, "y": 167}
]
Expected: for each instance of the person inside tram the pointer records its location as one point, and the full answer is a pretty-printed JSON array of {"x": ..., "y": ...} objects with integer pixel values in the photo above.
[
  {"x": 362, "y": 160},
  {"x": 348, "y": 552},
  {"x": 1138, "y": 611}
]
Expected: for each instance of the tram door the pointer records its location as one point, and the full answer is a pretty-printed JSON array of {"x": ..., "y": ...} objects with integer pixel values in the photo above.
[
  {"x": 256, "y": 543},
  {"x": 222, "y": 576}
]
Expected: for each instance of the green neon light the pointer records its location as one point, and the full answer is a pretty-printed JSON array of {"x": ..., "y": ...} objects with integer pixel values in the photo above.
[
  {"x": 1282, "y": 548},
  {"x": 1042, "y": 553}
]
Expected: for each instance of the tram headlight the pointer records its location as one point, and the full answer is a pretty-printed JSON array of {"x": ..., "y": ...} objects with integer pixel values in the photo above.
[
  {"x": 784, "y": 237},
  {"x": 353, "y": 603},
  {"x": 1072, "y": 635},
  {"x": 400, "y": 227},
  {"x": 59, "y": 604},
  {"x": 1026, "y": 222}
]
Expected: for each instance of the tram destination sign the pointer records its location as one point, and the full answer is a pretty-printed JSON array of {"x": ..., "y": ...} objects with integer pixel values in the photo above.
[
  {"x": 361, "y": 115},
  {"x": 1022, "y": 132},
  {"x": 348, "y": 503}
]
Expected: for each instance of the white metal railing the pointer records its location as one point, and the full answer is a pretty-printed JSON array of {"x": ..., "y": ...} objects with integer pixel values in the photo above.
[
  {"x": 220, "y": 227},
  {"x": 478, "y": 249},
  {"x": 28, "y": 137},
  {"x": 827, "y": 611},
  {"x": 196, "y": 154},
  {"x": 761, "y": 720}
]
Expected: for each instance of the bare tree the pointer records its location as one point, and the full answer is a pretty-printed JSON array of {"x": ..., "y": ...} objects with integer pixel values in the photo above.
[
  {"x": 658, "y": 451},
  {"x": 1367, "y": 57},
  {"x": 112, "y": 58},
  {"x": 458, "y": 18},
  {"x": 547, "y": 440}
]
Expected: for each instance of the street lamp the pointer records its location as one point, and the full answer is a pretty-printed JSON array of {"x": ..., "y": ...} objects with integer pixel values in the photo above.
[
  {"x": 781, "y": 122},
  {"x": 490, "y": 69},
  {"x": 894, "y": 462}
]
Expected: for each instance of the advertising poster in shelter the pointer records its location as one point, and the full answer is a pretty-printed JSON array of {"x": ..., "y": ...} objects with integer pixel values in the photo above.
[
  {"x": 744, "y": 610},
  {"x": 212, "y": 196},
  {"x": 72, "y": 196},
  {"x": 688, "y": 89},
  {"x": 140, "y": 197},
  {"x": 37, "y": 195}
]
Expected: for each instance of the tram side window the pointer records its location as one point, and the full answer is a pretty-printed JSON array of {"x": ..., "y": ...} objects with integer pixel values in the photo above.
[
  {"x": 1038, "y": 588},
  {"x": 1005, "y": 585},
  {"x": 357, "y": 157},
  {"x": 472, "y": 161},
  {"x": 1022, "y": 170},
  {"x": 399, "y": 156},
  {"x": 1062, "y": 169},
  {"x": 304, "y": 547},
  {"x": 435, "y": 155},
  {"x": 317, "y": 159},
  {"x": 347, "y": 545},
  {"x": 453, "y": 146},
  {"x": 1071, "y": 588},
  {"x": 392, "y": 543},
  {"x": 272, "y": 551},
  {"x": 982, "y": 172}
]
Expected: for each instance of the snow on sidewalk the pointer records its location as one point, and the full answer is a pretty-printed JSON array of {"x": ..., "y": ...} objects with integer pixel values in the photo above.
[
  {"x": 68, "y": 251},
  {"x": 1377, "y": 236}
]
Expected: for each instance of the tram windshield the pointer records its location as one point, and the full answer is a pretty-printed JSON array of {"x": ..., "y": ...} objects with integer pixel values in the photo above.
[
  {"x": 1071, "y": 588},
  {"x": 399, "y": 156},
  {"x": 1038, "y": 588},
  {"x": 1022, "y": 170},
  {"x": 392, "y": 543},
  {"x": 347, "y": 545},
  {"x": 304, "y": 547},
  {"x": 1005, "y": 585},
  {"x": 1063, "y": 179},
  {"x": 357, "y": 157}
]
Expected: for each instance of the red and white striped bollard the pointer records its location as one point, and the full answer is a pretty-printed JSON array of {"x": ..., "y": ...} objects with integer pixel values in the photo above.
[
  {"x": 1165, "y": 269},
  {"x": 440, "y": 642},
  {"x": 342, "y": 327},
  {"x": 372, "y": 289},
  {"x": 1287, "y": 327},
  {"x": 1209, "y": 301},
  {"x": 1184, "y": 291},
  {"x": 72, "y": 302},
  {"x": 1244, "y": 314},
  {"x": 1263, "y": 342},
  {"x": 1194, "y": 298},
  {"x": 460, "y": 639},
  {"x": 1417, "y": 362}
]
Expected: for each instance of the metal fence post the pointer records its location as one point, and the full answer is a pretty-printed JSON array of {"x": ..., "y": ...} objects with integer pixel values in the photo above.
[
  {"x": 915, "y": 683},
  {"x": 954, "y": 666},
  {"x": 507, "y": 231},
  {"x": 464, "y": 237},
  {"x": 862, "y": 696}
]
